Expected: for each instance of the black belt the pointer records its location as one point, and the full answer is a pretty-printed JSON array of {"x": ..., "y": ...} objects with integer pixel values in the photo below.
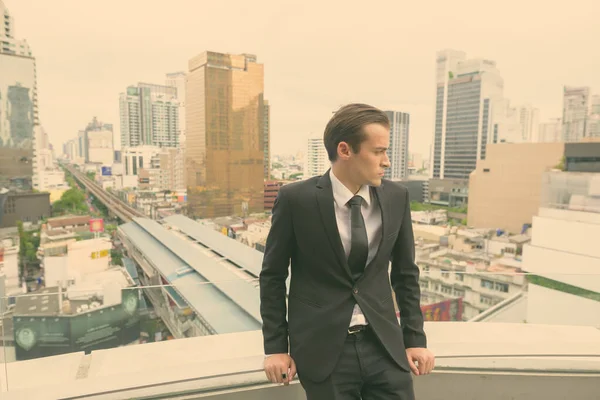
[{"x": 357, "y": 329}]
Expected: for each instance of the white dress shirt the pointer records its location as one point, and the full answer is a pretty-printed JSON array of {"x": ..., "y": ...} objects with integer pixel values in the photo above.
[{"x": 371, "y": 213}]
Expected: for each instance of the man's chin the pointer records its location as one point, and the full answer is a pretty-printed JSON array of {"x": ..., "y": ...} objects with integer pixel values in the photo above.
[{"x": 376, "y": 181}]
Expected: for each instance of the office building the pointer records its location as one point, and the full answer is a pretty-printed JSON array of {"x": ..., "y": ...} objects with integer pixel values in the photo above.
[
  {"x": 18, "y": 106},
  {"x": 149, "y": 116},
  {"x": 316, "y": 161},
  {"x": 398, "y": 150},
  {"x": 576, "y": 102},
  {"x": 98, "y": 142},
  {"x": 225, "y": 135},
  {"x": 271, "y": 192},
  {"x": 505, "y": 189},
  {"x": 465, "y": 95}
]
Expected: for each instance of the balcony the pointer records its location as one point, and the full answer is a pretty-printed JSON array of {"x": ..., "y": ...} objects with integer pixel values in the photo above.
[{"x": 475, "y": 360}]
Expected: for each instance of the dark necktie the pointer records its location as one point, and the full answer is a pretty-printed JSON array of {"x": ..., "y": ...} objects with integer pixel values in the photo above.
[{"x": 359, "y": 247}]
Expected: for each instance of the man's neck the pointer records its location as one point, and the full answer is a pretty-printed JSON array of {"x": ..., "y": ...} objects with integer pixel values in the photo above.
[{"x": 342, "y": 177}]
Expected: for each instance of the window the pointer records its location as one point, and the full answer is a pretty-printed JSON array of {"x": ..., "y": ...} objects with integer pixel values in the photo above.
[
  {"x": 486, "y": 300},
  {"x": 487, "y": 284},
  {"x": 446, "y": 289},
  {"x": 459, "y": 277},
  {"x": 501, "y": 287},
  {"x": 445, "y": 273},
  {"x": 459, "y": 293}
]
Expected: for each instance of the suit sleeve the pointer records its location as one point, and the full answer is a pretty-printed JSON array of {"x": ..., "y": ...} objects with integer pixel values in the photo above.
[
  {"x": 405, "y": 282},
  {"x": 276, "y": 261}
]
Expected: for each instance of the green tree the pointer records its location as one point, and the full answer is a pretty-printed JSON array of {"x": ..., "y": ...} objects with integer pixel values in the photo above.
[
  {"x": 116, "y": 257},
  {"x": 71, "y": 202}
]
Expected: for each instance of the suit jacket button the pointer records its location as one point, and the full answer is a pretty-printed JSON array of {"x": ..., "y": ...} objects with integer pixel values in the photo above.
[{"x": 355, "y": 290}]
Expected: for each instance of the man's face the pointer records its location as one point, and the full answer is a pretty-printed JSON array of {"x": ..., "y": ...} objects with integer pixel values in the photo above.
[{"x": 368, "y": 165}]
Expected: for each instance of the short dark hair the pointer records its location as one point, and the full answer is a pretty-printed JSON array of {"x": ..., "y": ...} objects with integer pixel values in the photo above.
[{"x": 347, "y": 124}]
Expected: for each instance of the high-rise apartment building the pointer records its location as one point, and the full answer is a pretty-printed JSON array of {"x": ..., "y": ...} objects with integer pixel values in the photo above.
[
  {"x": 225, "y": 135},
  {"x": 316, "y": 162},
  {"x": 465, "y": 95},
  {"x": 576, "y": 101},
  {"x": 398, "y": 149},
  {"x": 8, "y": 42},
  {"x": 18, "y": 106},
  {"x": 177, "y": 80},
  {"x": 267, "y": 140},
  {"x": 149, "y": 116},
  {"x": 593, "y": 123}
]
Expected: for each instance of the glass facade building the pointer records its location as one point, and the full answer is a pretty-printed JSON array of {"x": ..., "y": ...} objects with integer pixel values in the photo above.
[{"x": 225, "y": 147}]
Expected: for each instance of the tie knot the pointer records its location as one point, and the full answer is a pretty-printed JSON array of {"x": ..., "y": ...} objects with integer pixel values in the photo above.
[{"x": 355, "y": 201}]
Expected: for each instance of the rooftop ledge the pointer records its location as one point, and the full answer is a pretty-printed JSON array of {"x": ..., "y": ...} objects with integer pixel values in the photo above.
[{"x": 473, "y": 361}]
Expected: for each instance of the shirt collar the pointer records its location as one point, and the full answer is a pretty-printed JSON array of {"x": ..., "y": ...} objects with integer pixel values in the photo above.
[{"x": 341, "y": 194}]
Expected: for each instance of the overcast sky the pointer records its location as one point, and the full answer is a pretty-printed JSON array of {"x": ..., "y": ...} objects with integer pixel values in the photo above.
[{"x": 317, "y": 54}]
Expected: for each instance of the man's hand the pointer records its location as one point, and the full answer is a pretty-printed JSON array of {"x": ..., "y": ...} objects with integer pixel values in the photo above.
[
  {"x": 423, "y": 357},
  {"x": 280, "y": 368}
]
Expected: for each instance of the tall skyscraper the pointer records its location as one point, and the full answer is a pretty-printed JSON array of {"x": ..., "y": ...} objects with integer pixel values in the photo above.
[
  {"x": 177, "y": 80},
  {"x": 398, "y": 150},
  {"x": 466, "y": 91},
  {"x": 529, "y": 121},
  {"x": 575, "y": 112},
  {"x": 18, "y": 106},
  {"x": 225, "y": 135},
  {"x": 267, "y": 139},
  {"x": 8, "y": 43},
  {"x": 316, "y": 162},
  {"x": 149, "y": 116}
]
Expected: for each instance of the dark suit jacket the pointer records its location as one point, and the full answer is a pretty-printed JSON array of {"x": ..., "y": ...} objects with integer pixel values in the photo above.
[{"x": 322, "y": 292}]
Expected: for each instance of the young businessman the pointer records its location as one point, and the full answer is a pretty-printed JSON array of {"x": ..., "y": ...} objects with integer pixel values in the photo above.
[{"x": 340, "y": 231}]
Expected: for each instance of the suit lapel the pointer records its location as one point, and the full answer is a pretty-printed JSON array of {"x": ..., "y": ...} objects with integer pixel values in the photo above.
[{"x": 326, "y": 208}]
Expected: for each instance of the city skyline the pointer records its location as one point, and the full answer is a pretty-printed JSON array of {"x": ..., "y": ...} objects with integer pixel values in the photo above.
[{"x": 304, "y": 82}]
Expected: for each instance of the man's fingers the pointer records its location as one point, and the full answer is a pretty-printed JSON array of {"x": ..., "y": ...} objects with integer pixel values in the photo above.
[
  {"x": 422, "y": 365},
  {"x": 272, "y": 375},
  {"x": 292, "y": 370},
  {"x": 430, "y": 364},
  {"x": 413, "y": 367},
  {"x": 279, "y": 373}
]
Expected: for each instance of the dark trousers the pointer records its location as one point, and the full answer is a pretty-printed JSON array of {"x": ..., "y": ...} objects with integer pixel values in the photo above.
[{"x": 364, "y": 371}]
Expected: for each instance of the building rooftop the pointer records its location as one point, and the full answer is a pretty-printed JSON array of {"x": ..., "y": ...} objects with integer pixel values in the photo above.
[
  {"x": 61, "y": 222},
  {"x": 203, "y": 279},
  {"x": 43, "y": 302},
  {"x": 245, "y": 257}
]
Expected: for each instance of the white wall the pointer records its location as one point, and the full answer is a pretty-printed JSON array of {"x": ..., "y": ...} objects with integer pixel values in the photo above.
[
  {"x": 548, "y": 306},
  {"x": 497, "y": 247},
  {"x": 568, "y": 235},
  {"x": 574, "y": 269},
  {"x": 80, "y": 257},
  {"x": 56, "y": 269}
]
